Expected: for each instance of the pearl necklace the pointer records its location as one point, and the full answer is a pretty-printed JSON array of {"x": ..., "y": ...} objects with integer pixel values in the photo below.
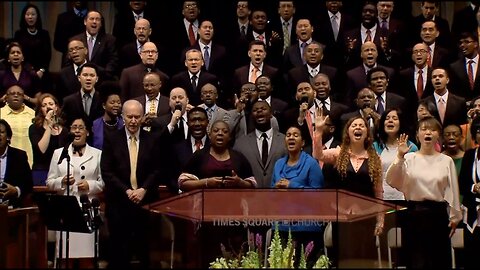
[
  {"x": 110, "y": 125},
  {"x": 32, "y": 33}
]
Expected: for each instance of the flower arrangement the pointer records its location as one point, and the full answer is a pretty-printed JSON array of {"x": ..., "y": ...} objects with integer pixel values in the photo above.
[{"x": 278, "y": 257}]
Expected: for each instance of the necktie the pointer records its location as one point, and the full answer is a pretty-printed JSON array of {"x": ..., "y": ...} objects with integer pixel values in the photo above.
[
  {"x": 191, "y": 34},
  {"x": 78, "y": 70},
  {"x": 286, "y": 36},
  {"x": 470, "y": 73},
  {"x": 90, "y": 47},
  {"x": 420, "y": 84},
  {"x": 429, "y": 57},
  {"x": 243, "y": 31},
  {"x": 380, "y": 108},
  {"x": 325, "y": 111},
  {"x": 264, "y": 149},
  {"x": 133, "y": 152},
  {"x": 153, "y": 106},
  {"x": 261, "y": 38},
  {"x": 181, "y": 128},
  {"x": 335, "y": 26},
  {"x": 369, "y": 36},
  {"x": 86, "y": 103},
  {"x": 206, "y": 58},
  {"x": 302, "y": 48},
  {"x": 209, "y": 114},
  {"x": 198, "y": 145},
  {"x": 441, "y": 109},
  {"x": 194, "y": 83},
  {"x": 253, "y": 75},
  {"x": 384, "y": 24}
]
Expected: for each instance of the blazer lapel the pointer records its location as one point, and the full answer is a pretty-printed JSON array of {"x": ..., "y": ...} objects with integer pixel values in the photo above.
[{"x": 276, "y": 142}]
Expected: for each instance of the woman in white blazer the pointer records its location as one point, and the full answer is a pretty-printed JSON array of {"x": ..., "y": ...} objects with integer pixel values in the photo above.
[{"x": 85, "y": 178}]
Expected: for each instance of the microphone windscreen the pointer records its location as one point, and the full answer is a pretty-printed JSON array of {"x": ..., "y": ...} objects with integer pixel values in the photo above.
[
  {"x": 84, "y": 198},
  {"x": 178, "y": 107},
  {"x": 95, "y": 202}
]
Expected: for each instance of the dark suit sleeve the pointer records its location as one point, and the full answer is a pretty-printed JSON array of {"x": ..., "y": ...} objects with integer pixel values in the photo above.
[
  {"x": 19, "y": 174},
  {"x": 109, "y": 166}
]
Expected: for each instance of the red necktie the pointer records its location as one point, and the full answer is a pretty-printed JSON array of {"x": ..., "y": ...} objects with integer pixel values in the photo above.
[
  {"x": 429, "y": 57},
  {"x": 470, "y": 73},
  {"x": 420, "y": 84},
  {"x": 198, "y": 145},
  {"x": 369, "y": 36},
  {"x": 191, "y": 34}
]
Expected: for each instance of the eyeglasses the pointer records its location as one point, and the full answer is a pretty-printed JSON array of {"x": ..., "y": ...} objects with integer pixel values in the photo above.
[
  {"x": 242, "y": 6},
  {"x": 150, "y": 52},
  {"x": 422, "y": 51},
  {"x": 190, "y": 6},
  {"x": 81, "y": 128},
  {"x": 75, "y": 49}
]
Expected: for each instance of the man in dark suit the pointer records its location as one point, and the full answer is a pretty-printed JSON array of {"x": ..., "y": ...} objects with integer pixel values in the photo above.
[
  {"x": 313, "y": 55},
  {"x": 193, "y": 78},
  {"x": 131, "y": 167},
  {"x": 173, "y": 126},
  {"x": 415, "y": 83},
  {"x": 17, "y": 184},
  {"x": 429, "y": 10},
  {"x": 85, "y": 103},
  {"x": 264, "y": 90},
  {"x": 321, "y": 85},
  {"x": 378, "y": 80},
  {"x": 396, "y": 28},
  {"x": 365, "y": 107},
  {"x": 132, "y": 77},
  {"x": 209, "y": 96},
  {"x": 293, "y": 56},
  {"x": 451, "y": 109},
  {"x": 126, "y": 19},
  {"x": 256, "y": 67},
  {"x": 284, "y": 23},
  {"x": 357, "y": 77},
  {"x": 438, "y": 55},
  {"x": 69, "y": 24},
  {"x": 235, "y": 34},
  {"x": 101, "y": 46},
  {"x": 68, "y": 82},
  {"x": 464, "y": 79},
  {"x": 152, "y": 101},
  {"x": 330, "y": 19},
  {"x": 251, "y": 145},
  {"x": 368, "y": 31},
  {"x": 214, "y": 57}
]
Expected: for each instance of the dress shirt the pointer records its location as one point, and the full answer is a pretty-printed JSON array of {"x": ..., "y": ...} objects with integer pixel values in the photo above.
[
  {"x": 148, "y": 102},
  {"x": 327, "y": 144},
  {"x": 75, "y": 67},
  {"x": 290, "y": 24},
  {"x": 424, "y": 75},
  {"x": 190, "y": 75},
  {"x": 268, "y": 100},
  {"x": 185, "y": 126},
  {"x": 194, "y": 147},
  {"x": 256, "y": 37},
  {"x": 338, "y": 16},
  {"x": 380, "y": 21},
  {"x": 194, "y": 26},
  {"x": 474, "y": 65},
  {"x": 326, "y": 101},
  {"x": 240, "y": 27},
  {"x": 368, "y": 68},
  {"x": 138, "y": 16},
  {"x": 363, "y": 32},
  {"x": 259, "y": 70},
  {"x": 384, "y": 101},
  {"x": 258, "y": 134},
  {"x": 437, "y": 97},
  {"x": 313, "y": 71}
]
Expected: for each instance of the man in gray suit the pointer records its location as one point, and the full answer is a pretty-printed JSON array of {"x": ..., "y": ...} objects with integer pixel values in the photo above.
[
  {"x": 252, "y": 145},
  {"x": 209, "y": 96}
]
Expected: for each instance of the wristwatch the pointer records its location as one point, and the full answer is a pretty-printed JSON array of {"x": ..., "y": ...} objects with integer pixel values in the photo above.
[{"x": 42, "y": 70}]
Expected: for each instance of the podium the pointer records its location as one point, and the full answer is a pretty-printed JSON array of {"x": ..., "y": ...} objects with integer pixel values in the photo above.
[
  {"x": 254, "y": 207},
  {"x": 23, "y": 238}
]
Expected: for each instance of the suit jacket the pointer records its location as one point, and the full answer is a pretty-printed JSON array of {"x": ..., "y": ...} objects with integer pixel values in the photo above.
[
  {"x": 292, "y": 58},
  {"x": 336, "y": 111},
  {"x": 131, "y": 81},
  {"x": 19, "y": 174},
  {"x": 334, "y": 52},
  {"x": 182, "y": 80},
  {"x": 408, "y": 90},
  {"x": 67, "y": 83},
  {"x": 115, "y": 166},
  {"x": 397, "y": 35},
  {"x": 73, "y": 107},
  {"x": 104, "y": 53},
  {"x": 129, "y": 56},
  {"x": 300, "y": 74},
  {"x": 274, "y": 47},
  {"x": 238, "y": 123},
  {"x": 240, "y": 76},
  {"x": 455, "y": 112},
  {"x": 278, "y": 107},
  {"x": 247, "y": 145},
  {"x": 163, "y": 106},
  {"x": 394, "y": 101},
  {"x": 68, "y": 24},
  {"x": 159, "y": 126},
  {"x": 218, "y": 114},
  {"x": 444, "y": 39},
  {"x": 357, "y": 79},
  {"x": 124, "y": 24},
  {"x": 459, "y": 82},
  {"x": 277, "y": 26},
  {"x": 465, "y": 183}
]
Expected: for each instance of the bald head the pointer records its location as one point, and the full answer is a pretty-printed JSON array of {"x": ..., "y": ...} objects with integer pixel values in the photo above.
[{"x": 142, "y": 30}]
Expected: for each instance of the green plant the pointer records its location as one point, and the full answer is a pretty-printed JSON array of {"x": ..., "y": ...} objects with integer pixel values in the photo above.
[{"x": 278, "y": 257}]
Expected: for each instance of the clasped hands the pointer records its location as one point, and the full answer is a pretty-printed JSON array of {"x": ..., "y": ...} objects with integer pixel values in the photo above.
[
  {"x": 82, "y": 184},
  {"x": 8, "y": 191},
  {"x": 136, "y": 195}
]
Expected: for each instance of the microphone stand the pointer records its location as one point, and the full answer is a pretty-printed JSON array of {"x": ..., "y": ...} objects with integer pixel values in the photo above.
[
  {"x": 65, "y": 155},
  {"x": 96, "y": 222}
]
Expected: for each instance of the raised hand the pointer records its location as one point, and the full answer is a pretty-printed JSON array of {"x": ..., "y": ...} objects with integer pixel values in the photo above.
[
  {"x": 403, "y": 148},
  {"x": 320, "y": 119}
]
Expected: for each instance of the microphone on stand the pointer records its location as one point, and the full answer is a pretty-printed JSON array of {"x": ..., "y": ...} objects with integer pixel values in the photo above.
[
  {"x": 97, "y": 219},
  {"x": 86, "y": 209},
  {"x": 64, "y": 154}
]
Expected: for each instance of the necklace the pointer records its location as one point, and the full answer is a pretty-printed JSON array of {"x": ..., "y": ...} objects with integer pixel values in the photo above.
[
  {"x": 32, "y": 33},
  {"x": 110, "y": 125}
]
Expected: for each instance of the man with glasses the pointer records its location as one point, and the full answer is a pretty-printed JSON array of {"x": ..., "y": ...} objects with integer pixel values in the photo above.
[
  {"x": 68, "y": 79},
  {"x": 132, "y": 77},
  {"x": 86, "y": 102},
  {"x": 101, "y": 46}
]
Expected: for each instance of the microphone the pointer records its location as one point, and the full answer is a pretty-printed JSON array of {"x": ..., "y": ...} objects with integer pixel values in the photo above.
[
  {"x": 178, "y": 107},
  {"x": 97, "y": 219},
  {"x": 55, "y": 118},
  {"x": 70, "y": 137},
  {"x": 86, "y": 209},
  {"x": 304, "y": 100}
]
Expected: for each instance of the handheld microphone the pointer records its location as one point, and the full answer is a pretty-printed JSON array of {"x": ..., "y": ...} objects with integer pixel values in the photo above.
[
  {"x": 178, "y": 107},
  {"x": 86, "y": 209},
  {"x": 55, "y": 118},
  {"x": 304, "y": 100},
  {"x": 70, "y": 137}
]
